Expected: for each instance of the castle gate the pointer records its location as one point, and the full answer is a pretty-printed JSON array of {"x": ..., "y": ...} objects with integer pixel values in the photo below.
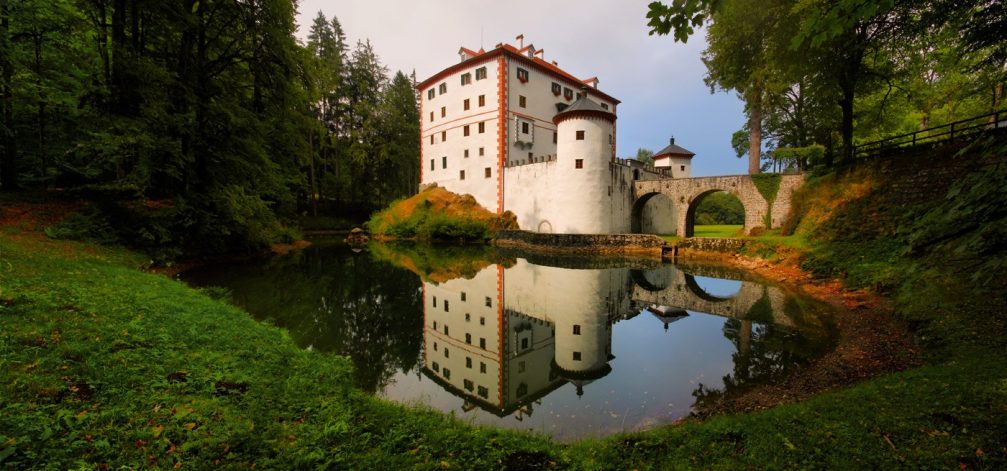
[{"x": 686, "y": 193}]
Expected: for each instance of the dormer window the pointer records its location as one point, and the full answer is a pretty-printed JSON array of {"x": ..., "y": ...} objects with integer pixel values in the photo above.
[
  {"x": 443, "y": 88},
  {"x": 522, "y": 75},
  {"x": 466, "y": 79},
  {"x": 556, "y": 89},
  {"x": 480, "y": 73},
  {"x": 567, "y": 93}
]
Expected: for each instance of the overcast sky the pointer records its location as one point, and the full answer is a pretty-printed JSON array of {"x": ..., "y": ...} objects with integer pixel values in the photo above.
[{"x": 659, "y": 81}]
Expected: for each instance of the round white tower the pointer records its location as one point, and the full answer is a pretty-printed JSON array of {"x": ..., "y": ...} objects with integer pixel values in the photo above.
[{"x": 584, "y": 156}]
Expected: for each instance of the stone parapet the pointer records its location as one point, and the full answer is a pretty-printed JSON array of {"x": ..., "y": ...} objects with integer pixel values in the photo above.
[{"x": 581, "y": 243}]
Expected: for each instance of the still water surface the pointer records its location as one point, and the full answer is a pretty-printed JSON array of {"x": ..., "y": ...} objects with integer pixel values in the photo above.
[{"x": 567, "y": 347}]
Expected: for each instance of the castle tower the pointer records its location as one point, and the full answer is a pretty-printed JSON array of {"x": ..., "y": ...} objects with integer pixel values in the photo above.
[{"x": 581, "y": 198}]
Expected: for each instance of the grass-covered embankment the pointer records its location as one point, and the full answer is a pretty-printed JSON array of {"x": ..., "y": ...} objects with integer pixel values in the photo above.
[
  {"x": 101, "y": 363},
  {"x": 438, "y": 214}
]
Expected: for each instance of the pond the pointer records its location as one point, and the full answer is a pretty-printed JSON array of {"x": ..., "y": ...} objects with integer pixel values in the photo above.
[{"x": 568, "y": 347}]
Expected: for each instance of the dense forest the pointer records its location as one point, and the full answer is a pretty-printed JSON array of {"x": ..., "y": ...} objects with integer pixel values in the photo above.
[
  {"x": 198, "y": 126},
  {"x": 819, "y": 77}
]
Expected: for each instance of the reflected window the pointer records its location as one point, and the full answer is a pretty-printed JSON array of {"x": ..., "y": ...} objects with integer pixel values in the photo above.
[
  {"x": 435, "y": 346},
  {"x": 483, "y": 392},
  {"x": 482, "y": 344},
  {"x": 435, "y": 325},
  {"x": 447, "y": 353},
  {"x": 446, "y": 305},
  {"x": 521, "y": 367},
  {"x": 576, "y": 356},
  {"x": 522, "y": 390},
  {"x": 482, "y": 367},
  {"x": 435, "y": 303},
  {"x": 447, "y": 373},
  {"x": 482, "y": 321},
  {"x": 468, "y": 362},
  {"x": 435, "y": 366},
  {"x": 468, "y": 317},
  {"x": 445, "y": 329},
  {"x": 463, "y": 293},
  {"x": 524, "y": 343},
  {"x": 469, "y": 385},
  {"x": 489, "y": 302}
]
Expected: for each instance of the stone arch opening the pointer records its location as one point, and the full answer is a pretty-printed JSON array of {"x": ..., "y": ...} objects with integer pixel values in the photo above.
[
  {"x": 545, "y": 226},
  {"x": 722, "y": 213},
  {"x": 653, "y": 213},
  {"x": 651, "y": 280},
  {"x": 723, "y": 290}
]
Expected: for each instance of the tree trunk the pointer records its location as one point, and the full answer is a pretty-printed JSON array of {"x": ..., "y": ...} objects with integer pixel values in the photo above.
[
  {"x": 8, "y": 160},
  {"x": 846, "y": 103},
  {"x": 314, "y": 184},
  {"x": 755, "y": 130}
]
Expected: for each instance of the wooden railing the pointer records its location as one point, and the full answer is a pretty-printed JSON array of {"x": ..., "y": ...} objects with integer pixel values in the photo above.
[{"x": 956, "y": 130}]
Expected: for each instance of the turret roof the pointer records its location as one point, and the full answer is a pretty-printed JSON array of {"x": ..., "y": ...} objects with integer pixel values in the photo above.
[{"x": 583, "y": 106}]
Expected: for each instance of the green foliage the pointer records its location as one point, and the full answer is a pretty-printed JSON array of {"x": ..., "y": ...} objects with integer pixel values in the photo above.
[
  {"x": 800, "y": 157},
  {"x": 720, "y": 208},
  {"x": 646, "y": 156}
]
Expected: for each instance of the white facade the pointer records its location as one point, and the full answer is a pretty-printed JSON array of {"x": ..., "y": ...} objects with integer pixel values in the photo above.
[{"x": 509, "y": 153}]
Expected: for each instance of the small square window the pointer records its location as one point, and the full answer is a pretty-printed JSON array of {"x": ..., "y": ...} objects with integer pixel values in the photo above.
[
  {"x": 466, "y": 79},
  {"x": 430, "y": 94},
  {"x": 465, "y": 104},
  {"x": 567, "y": 93},
  {"x": 461, "y": 175},
  {"x": 522, "y": 75},
  {"x": 468, "y": 383},
  {"x": 468, "y": 317},
  {"x": 482, "y": 151},
  {"x": 489, "y": 173},
  {"x": 580, "y": 135},
  {"x": 443, "y": 88},
  {"x": 483, "y": 392},
  {"x": 465, "y": 130},
  {"x": 444, "y": 111},
  {"x": 480, "y": 73},
  {"x": 482, "y": 100},
  {"x": 576, "y": 329},
  {"x": 576, "y": 356},
  {"x": 489, "y": 300},
  {"x": 556, "y": 89},
  {"x": 482, "y": 127},
  {"x": 682, "y": 168},
  {"x": 482, "y": 321},
  {"x": 579, "y": 163},
  {"x": 522, "y": 101},
  {"x": 525, "y": 127}
]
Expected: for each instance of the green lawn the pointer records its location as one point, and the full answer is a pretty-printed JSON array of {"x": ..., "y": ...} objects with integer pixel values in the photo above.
[{"x": 723, "y": 230}]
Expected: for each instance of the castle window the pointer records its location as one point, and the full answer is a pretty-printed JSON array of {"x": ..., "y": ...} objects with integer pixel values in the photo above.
[
  {"x": 465, "y": 130},
  {"x": 482, "y": 100},
  {"x": 530, "y": 157},
  {"x": 482, "y": 343},
  {"x": 524, "y": 343},
  {"x": 489, "y": 173},
  {"x": 482, "y": 367},
  {"x": 445, "y": 333},
  {"x": 431, "y": 138},
  {"x": 567, "y": 93},
  {"x": 447, "y": 353},
  {"x": 555, "y": 137},
  {"x": 468, "y": 339},
  {"x": 576, "y": 329},
  {"x": 435, "y": 343},
  {"x": 482, "y": 151},
  {"x": 522, "y": 75},
  {"x": 522, "y": 390},
  {"x": 443, "y": 88},
  {"x": 468, "y": 383},
  {"x": 579, "y": 163},
  {"x": 465, "y": 104},
  {"x": 444, "y": 136},
  {"x": 489, "y": 301},
  {"x": 430, "y": 94},
  {"x": 447, "y": 373},
  {"x": 682, "y": 167},
  {"x": 525, "y": 127},
  {"x": 604, "y": 105},
  {"x": 521, "y": 366},
  {"x": 444, "y": 111},
  {"x": 461, "y": 175},
  {"x": 556, "y": 89},
  {"x": 522, "y": 101},
  {"x": 463, "y": 293},
  {"x": 431, "y": 116},
  {"x": 466, "y": 79},
  {"x": 466, "y": 156},
  {"x": 446, "y": 307},
  {"x": 468, "y": 317},
  {"x": 576, "y": 356},
  {"x": 480, "y": 73},
  {"x": 468, "y": 362},
  {"x": 431, "y": 165},
  {"x": 435, "y": 305},
  {"x": 444, "y": 164},
  {"x": 580, "y": 135},
  {"x": 482, "y": 321},
  {"x": 482, "y": 127},
  {"x": 483, "y": 392},
  {"x": 435, "y": 366}
]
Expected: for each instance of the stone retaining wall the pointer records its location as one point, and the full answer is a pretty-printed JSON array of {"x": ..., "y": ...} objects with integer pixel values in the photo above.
[{"x": 581, "y": 243}]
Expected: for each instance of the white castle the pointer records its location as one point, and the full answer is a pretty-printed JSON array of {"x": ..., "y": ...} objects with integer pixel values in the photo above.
[{"x": 520, "y": 134}]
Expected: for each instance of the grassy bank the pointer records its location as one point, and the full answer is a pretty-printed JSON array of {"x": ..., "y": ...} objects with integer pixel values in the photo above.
[{"x": 438, "y": 214}]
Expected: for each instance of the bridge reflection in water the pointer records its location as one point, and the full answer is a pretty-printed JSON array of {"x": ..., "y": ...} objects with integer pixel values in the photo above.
[{"x": 506, "y": 338}]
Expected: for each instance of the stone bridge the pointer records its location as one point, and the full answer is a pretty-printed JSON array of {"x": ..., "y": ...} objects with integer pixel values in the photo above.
[
  {"x": 686, "y": 193},
  {"x": 672, "y": 287}
]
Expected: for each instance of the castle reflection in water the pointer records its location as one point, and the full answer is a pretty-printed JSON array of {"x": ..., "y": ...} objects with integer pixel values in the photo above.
[{"x": 507, "y": 337}]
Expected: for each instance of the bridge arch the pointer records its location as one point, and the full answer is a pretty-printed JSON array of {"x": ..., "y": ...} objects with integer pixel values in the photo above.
[
  {"x": 696, "y": 199},
  {"x": 653, "y": 213},
  {"x": 701, "y": 293}
]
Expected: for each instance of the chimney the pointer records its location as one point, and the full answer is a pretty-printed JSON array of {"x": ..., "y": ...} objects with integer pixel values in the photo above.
[{"x": 672, "y": 139}]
